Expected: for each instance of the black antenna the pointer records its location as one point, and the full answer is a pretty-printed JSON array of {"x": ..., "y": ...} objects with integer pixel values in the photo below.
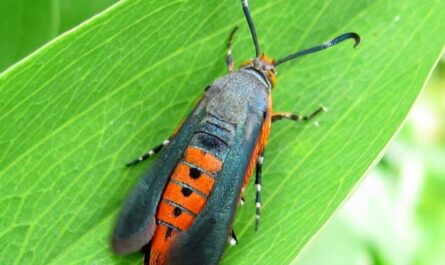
[
  {"x": 252, "y": 27},
  {"x": 328, "y": 44}
]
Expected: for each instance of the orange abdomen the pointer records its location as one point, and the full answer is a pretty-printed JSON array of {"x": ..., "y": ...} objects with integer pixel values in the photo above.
[{"x": 184, "y": 197}]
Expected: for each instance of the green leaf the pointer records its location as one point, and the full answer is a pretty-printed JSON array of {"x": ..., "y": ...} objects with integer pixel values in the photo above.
[
  {"x": 27, "y": 25},
  {"x": 74, "y": 112}
]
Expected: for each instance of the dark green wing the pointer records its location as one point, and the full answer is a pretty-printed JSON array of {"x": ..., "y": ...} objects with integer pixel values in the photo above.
[
  {"x": 205, "y": 241},
  {"x": 136, "y": 222}
]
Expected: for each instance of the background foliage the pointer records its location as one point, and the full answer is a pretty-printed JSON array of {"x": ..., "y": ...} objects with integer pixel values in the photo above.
[
  {"x": 76, "y": 110},
  {"x": 28, "y": 24}
]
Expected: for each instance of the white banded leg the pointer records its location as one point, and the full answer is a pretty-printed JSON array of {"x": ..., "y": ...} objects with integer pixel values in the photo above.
[
  {"x": 149, "y": 153},
  {"x": 146, "y": 251},
  {"x": 295, "y": 117},
  {"x": 258, "y": 175},
  {"x": 229, "y": 57},
  {"x": 241, "y": 201},
  {"x": 233, "y": 241}
]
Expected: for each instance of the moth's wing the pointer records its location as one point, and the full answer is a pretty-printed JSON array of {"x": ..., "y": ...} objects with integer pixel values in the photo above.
[
  {"x": 205, "y": 241},
  {"x": 136, "y": 222}
]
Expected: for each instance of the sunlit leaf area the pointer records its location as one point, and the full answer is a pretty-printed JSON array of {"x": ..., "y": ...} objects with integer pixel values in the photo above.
[{"x": 87, "y": 85}]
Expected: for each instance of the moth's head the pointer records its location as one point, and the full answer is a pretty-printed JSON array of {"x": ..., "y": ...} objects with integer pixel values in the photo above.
[{"x": 264, "y": 65}]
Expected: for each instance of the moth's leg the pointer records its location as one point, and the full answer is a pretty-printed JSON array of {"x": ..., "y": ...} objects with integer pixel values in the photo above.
[
  {"x": 258, "y": 175},
  {"x": 146, "y": 251},
  {"x": 159, "y": 147},
  {"x": 150, "y": 153},
  {"x": 241, "y": 201},
  {"x": 232, "y": 238},
  {"x": 229, "y": 58},
  {"x": 295, "y": 117}
]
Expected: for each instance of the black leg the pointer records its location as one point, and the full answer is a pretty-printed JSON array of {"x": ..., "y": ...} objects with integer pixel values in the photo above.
[
  {"x": 146, "y": 251},
  {"x": 232, "y": 239},
  {"x": 229, "y": 58},
  {"x": 149, "y": 153},
  {"x": 258, "y": 175},
  {"x": 295, "y": 117},
  {"x": 241, "y": 201}
]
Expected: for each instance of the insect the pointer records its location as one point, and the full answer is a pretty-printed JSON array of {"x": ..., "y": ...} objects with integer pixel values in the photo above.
[{"x": 182, "y": 209}]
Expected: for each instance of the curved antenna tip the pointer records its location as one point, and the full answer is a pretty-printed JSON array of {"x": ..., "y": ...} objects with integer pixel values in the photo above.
[
  {"x": 356, "y": 38},
  {"x": 326, "y": 45},
  {"x": 346, "y": 36}
]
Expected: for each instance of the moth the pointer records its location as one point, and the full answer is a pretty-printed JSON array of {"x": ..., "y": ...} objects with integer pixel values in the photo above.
[{"x": 181, "y": 211}]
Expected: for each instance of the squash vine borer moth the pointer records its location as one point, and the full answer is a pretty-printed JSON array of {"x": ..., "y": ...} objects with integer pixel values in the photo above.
[{"x": 181, "y": 211}]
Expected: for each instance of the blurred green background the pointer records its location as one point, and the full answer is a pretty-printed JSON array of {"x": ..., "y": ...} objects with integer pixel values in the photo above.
[
  {"x": 26, "y": 25},
  {"x": 396, "y": 216}
]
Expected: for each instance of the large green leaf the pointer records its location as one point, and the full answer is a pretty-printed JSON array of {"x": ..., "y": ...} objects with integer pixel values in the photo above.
[{"x": 74, "y": 112}]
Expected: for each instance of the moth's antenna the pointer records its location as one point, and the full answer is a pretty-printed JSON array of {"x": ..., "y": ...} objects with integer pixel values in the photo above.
[
  {"x": 328, "y": 44},
  {"x": 252, "y": 27}
]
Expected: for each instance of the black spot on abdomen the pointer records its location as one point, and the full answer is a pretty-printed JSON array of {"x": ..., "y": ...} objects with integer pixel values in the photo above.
[
  {"x": 194, "y": 173},
  {"x": 186, "y": 191},
  {"x": 177, "y": 211},
  {"x": 169, "y": 232}
]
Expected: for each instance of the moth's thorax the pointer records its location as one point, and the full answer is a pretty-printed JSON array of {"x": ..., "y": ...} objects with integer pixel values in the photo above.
[{"x": 265, "y": 66}]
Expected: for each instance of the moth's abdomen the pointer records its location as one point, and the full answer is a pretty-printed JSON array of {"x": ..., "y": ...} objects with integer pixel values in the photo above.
[{"x": 186, "y": 194}]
